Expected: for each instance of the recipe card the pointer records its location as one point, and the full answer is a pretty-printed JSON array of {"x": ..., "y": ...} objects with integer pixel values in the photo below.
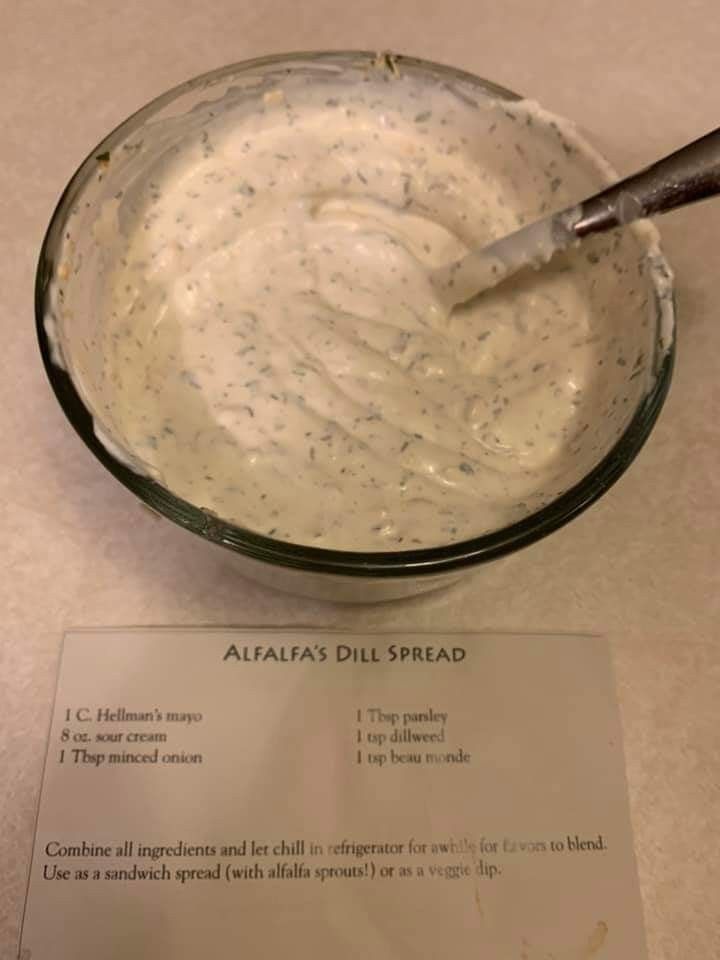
[{"x": 323, "y": 796}]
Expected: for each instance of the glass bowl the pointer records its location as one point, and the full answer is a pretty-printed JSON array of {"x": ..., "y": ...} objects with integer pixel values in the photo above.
[{"x": 66, "y": 308}]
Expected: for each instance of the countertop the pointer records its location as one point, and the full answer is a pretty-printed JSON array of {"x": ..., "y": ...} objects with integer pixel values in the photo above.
[{"x": 642, "y": 565}]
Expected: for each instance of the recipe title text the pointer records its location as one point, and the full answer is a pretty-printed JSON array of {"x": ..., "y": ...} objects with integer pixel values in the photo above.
[{"x": 344, "y": 653}]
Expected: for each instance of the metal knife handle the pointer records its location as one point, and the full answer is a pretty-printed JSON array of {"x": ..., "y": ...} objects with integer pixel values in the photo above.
[{"x": 685, "y": 176}]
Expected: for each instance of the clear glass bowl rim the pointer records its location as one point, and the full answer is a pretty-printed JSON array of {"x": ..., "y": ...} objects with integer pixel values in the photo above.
[{"x": 401, "y": 563}]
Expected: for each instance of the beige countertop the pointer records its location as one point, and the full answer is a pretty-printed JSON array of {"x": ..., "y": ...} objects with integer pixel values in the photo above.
[{"x": 642, "y": 566}]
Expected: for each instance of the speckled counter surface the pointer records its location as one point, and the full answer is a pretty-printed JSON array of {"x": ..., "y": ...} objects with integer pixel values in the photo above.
[{"x": 642, "y": 566}]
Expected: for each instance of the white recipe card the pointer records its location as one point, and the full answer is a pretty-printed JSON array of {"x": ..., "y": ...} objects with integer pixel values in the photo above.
[{"x": 261, "y": 793}]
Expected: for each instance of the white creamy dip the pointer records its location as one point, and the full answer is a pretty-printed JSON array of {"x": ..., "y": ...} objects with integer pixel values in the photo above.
[{"x": 275, "y": 353}]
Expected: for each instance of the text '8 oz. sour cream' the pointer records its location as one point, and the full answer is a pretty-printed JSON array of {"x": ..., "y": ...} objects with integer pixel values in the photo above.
[{"x": 273, "y": 349}]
